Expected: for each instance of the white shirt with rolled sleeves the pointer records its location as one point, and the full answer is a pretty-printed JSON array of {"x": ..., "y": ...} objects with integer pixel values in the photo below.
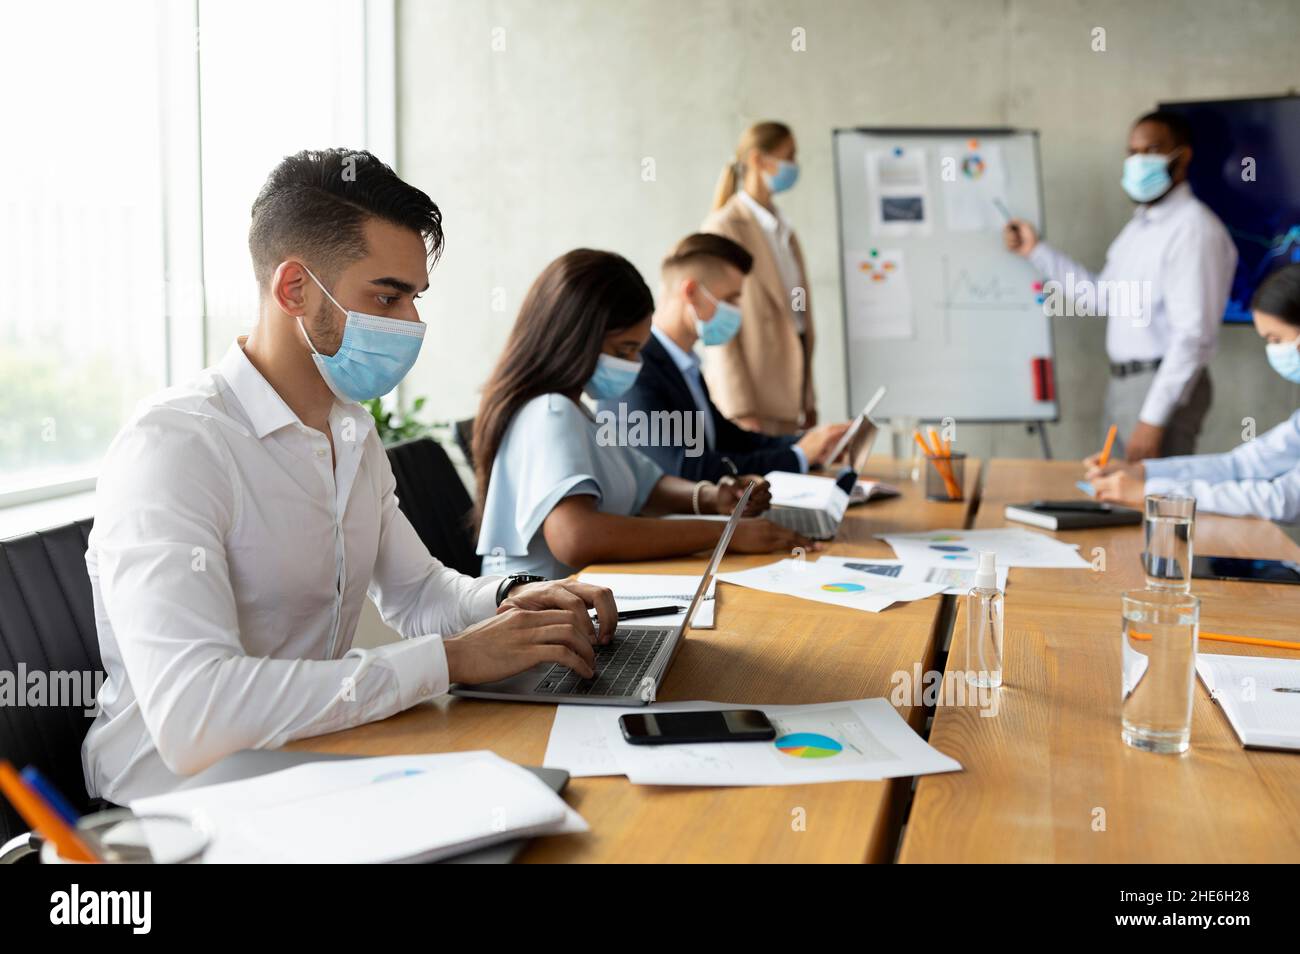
[
  {"x": 1182, "y": 249},
  {"x": 1260, "y": 478},
  {"x": 229, "y": 562}
]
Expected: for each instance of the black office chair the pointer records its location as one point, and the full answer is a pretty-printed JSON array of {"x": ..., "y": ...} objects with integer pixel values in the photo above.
[
  {"x": 464, "y": 433},
  {"x": 430, "y": 493},
  {"x": 47, "y": 624}
]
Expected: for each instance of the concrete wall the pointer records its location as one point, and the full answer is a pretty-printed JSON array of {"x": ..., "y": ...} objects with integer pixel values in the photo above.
[{"x": 529, "y": 122}]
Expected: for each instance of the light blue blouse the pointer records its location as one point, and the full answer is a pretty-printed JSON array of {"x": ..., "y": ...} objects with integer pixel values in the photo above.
[
  {"x": 552, "y": 450},
  {"x": 1260, "y": 478}
]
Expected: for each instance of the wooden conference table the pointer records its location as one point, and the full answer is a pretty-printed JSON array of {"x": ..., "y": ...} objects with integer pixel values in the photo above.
[
  {"x": 1048, "y": 779},
  {"x": 764, "y": 649}
]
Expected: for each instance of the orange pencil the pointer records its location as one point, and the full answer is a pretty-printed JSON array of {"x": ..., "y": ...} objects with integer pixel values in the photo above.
[
  {"x": 1110, "y": 442},
  {"x": 1249, "y": 640},
  {"x": 1225, "y": 638},
  {"x": 945, "y": 472},
  {"x": 43, "y": 819}
]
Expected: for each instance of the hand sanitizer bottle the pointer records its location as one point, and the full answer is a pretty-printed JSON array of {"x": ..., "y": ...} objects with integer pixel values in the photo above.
[{"x": 984, "y": 626}]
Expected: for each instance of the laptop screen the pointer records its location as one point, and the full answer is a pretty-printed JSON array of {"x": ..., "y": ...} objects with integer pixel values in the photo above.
[{"x": 718, "y": 551}]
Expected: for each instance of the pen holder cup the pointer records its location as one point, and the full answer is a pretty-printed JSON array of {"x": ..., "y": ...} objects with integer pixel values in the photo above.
[
  {"x": 119, "y": 836},
  {"x": 945, "y": 476}
]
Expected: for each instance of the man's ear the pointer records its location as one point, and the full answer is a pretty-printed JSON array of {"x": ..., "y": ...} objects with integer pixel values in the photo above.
[
  {"x": 1183, "y": 163},
  {"x": 289, "y": 288},
  {"x": 687, "y": 288}
]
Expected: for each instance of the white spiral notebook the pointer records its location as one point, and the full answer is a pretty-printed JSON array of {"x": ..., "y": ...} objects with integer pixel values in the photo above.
[{"x": 1260, "y": 695}]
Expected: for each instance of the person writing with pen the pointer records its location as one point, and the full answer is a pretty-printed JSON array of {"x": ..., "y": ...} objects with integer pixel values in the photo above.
[{"x": 1260, "y": 478}]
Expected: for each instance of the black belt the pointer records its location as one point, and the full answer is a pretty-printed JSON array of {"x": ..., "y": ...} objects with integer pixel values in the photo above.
[{"x": 1124, "y": 368}]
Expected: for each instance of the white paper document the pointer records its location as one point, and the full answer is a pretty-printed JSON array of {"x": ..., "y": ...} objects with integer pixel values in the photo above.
[
  {"x": 978, "y": 182},
  {"x": 898, "y": 192},
  {"x": 877, "y": 295},
  {"x": 579, "y": 745},
  {"x": 832, "y": 583},
  {"x": 855, "y": 740},
  {"x": 393, "y": 808},
  {"x": 958, "y": 582},
  {"x": 960, "y": 549},
  {"x": 639, "y": 590},
  {"x": 804, "y": 491},
  {"x": 1260, "y": 695}
]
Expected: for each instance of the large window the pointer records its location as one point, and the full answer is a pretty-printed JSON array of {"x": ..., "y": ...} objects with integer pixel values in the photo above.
[{"x": 138, "y": 134}]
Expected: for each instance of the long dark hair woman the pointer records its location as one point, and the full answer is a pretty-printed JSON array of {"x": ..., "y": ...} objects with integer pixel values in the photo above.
[{"x": 554, "y": 492}]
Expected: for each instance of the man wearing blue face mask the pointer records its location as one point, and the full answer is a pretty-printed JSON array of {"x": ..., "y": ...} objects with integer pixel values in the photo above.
[
  {"x": 242, "y": 520},
  {"x": 1162, "y": 290},
  {"x": 1261, "y": 477},
  {"x": 699, "y": 293}
]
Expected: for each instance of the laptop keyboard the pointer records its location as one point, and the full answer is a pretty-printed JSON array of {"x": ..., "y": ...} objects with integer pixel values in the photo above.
[
  {"x": 811, "y": 523},
  {"x": 620, "y": 664}
]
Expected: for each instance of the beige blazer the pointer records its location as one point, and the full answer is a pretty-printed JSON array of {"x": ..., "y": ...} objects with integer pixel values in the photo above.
[{"x": 766, "y": 370}]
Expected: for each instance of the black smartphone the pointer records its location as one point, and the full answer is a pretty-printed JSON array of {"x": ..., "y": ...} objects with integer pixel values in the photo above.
[
  {"x": 669, "y": 728},
  {"x": 1240, "y": 568}
]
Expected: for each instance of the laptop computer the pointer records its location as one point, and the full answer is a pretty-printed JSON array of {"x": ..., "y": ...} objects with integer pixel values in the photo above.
[
  {"x": 812, "y": 506},
  {"x": 629, "y": 668}
]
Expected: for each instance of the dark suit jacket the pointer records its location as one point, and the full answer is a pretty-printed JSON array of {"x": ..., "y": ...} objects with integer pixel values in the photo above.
[{"x": 662, "y": 387}]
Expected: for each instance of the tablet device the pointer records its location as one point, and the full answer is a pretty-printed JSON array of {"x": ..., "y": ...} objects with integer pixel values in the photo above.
[{"x": 1245, "y": 569}]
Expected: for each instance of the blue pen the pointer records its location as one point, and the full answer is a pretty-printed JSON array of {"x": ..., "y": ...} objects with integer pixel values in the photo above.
[
  {"x": 1085, "y": 487},
  {"x": 45, "y": 788}
]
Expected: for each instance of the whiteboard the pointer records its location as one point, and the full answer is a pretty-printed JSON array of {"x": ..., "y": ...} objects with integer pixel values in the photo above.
[{"x": 934, "y": 306}]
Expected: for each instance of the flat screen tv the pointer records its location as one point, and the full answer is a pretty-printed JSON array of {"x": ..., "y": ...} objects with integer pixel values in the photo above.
[{"x": 1246, "y": 167}]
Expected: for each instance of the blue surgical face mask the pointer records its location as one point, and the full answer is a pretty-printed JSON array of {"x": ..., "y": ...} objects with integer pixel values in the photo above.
[
  {"x": 724, "y": 324},
  {"x": 612, "y": 378},
  {"x": 375, "y": 354},
  {"x": 1284, "y": 356},
  {"x": 786, "y": 175},
  {"x": 1146, "y": 177}
]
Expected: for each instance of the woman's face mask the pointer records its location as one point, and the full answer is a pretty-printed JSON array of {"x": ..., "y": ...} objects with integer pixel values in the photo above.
[
  {"x": 612, "y": 378},
  {"x": 785, "y": 176},
  {"x": 1284, "y": 356}
]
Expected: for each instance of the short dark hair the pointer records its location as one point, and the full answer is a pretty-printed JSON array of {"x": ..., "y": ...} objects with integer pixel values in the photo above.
[
  {"x": 1279, "y": 294},
  {"x": 1179, "y": 128},
  {"x": 707, "y": 245},
  {"x": 315, "y": 203}
]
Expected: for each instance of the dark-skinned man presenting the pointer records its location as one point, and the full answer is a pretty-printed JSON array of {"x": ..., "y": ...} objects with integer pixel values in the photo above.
[{"x": 1162, "y": 290}]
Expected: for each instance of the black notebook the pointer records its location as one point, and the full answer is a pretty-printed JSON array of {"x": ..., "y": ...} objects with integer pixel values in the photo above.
[{"x": 1072, "y": 514}]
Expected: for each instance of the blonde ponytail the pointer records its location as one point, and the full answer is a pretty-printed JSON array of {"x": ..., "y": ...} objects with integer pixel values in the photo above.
[
  {"x": 726, "y": 187},
  {"x": 765, "y": 137}
]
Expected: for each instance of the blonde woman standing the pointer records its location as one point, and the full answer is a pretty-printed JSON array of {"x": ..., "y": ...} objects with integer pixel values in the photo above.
[{"x": 762, "y": 378}]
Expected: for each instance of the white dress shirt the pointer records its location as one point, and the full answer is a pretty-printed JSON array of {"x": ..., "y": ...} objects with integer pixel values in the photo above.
[
  {"x": 1184, "y": 252},
  {"x": 779, "y": 233},
  {"x": 1260, "y": 478},
  {"x": 229, "y": 562}
]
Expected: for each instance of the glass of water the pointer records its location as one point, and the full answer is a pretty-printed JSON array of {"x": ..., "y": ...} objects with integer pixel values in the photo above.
[
  {"x": 1159, "y": 661},
  {"x": 1167, "y": 557},
  {"x": 907, "y": 456}
]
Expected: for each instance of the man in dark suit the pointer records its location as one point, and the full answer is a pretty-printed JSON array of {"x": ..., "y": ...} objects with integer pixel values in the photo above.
[{"x": 701, "y": 283}]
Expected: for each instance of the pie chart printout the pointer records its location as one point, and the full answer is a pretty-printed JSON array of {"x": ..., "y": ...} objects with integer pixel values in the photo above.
[{"x": 808, "y": 745}]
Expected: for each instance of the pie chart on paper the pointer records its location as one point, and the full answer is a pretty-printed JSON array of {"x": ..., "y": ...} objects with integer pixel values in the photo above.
[
  {"x": 843, "y": 587},
  {"x": 808, "y": 745}
]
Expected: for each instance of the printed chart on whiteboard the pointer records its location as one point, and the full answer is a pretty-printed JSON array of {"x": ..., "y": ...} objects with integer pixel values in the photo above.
[{"x": 935, "y": 308}]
